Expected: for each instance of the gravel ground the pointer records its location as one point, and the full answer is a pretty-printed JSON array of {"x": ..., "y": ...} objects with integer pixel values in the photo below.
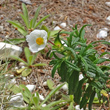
[{"x": 71, "y": 12}]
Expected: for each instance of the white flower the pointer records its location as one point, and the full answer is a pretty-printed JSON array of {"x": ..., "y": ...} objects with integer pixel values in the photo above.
[{"x": 37, "y": 40}]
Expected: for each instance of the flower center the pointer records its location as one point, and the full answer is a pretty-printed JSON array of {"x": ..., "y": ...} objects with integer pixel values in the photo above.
[{"x": 39, "y": 40}]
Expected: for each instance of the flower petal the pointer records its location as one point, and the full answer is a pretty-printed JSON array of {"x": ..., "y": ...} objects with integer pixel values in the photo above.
[{"x": 31, "y": 39}]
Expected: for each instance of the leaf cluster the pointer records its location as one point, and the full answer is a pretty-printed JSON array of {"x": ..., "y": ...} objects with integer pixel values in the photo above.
[
  {"x": 29, "y": 64},
  {"x": 78, "y": 57}
]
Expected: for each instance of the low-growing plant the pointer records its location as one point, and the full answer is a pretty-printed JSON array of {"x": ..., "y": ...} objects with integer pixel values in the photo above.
[
  {"x": 30, "y": 24},
  {"x": 77, "y": 57},
  {"x": 29, "y": 64},
  {"x": 34, "y": 102}
]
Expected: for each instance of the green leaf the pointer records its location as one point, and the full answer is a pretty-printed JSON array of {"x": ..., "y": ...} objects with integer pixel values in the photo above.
[
  {"x": 63, "y": 72},
  {"x": 30, "y": 60},
  {"x": 39, "y": 22},
  {"x": 25, "y": 20},
  {"x": 73, "y": 82},
  {"x": 26, "y": 72},
  {"x": 103, "y": 42},
  {"x": 26, "y": 93},
  {"x": 55, "y": 103},
  {"x": 52, "y": 93},
  {"x": 15, "y": 41},
  {"x": 30, "y": 24},
  {"x": 81, "y": 32},
  {"x": 25, "y": 16},
  {"x": 73, "y": 66},
  {"x": 91, "y": 74},
  {"x": 27, "y": 54},
  {"x": 57, "y": 41},
  {"x": 70, "y": 106},
  {"x": 53, "y": 33},
  {"x": 78, "y": 92},
  {"x": 19, "y": 27},
  {"x": 91, "y": 100},
  {"x": 101, "y": 60},
  {"x": 86, "y": 97},
  {"x": 36, "y": 101},
  {"x": 55, "y": 68},
  {"x": 19, "y": 59},
  {"x": 72, "y": 51},
  {"x": 15, "y": 89},
  {"x": 84, "y": 63},
  {"x": 40, "y": 64},
  {"x": 35, "y": 17},
  {"x": 50, "y": 84}
]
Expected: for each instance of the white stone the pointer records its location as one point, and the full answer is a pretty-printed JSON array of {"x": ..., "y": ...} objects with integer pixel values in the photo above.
[
  {"x": 11, "y": 76},
  {"x": 77, "y": 107},
  {"x": 63, "y": 43},
  {"x": 102, "y": 34},
  {"x": 41, "y": 97},
  {"x": 21, "y": 64},
  {"x": 106, "y": 29},
  {"x": 13, "y": 81},
  {"x": 31, "y": 87},
  {"x": 81, "y": 77},
  {"x": 24, "y": 78},
  {"x": 16, "y": 68},
  {"x": 65, "y": 87},
  {"x": 63, "y": 25},
  {"x": 16, "y": 100},
  {"x": 26, "y": 2},
  {"x": 7, "y": 36},
  {"x": 107, "y": 3},
  {"x": 108, "y": 20},
  {"x": 43, "y": 105},
  {"x": 1, "y": 28},
  {"x": 6, "y": 50},
  {"x": 45, "y": 83},
  {"x": 54, "y": 22},
  {"x": 57, "y": 28}
]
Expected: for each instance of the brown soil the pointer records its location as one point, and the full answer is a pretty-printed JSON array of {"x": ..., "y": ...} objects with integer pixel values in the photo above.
[{"x": 72, "y": 12}]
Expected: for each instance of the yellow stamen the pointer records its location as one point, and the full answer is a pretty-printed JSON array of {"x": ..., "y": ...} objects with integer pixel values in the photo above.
[{"x": 39, "y": 40}]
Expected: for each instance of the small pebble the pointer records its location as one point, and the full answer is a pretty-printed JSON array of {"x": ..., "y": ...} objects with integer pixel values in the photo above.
[
  {"x": 21, "y": 64},
  {"x": 63, "y": 43},
  {"x": 45, "y": 83},
  {"x": 16, "y": 68},
  {"x": 7, "y": 36},
  {"x": 16, "y": 100},
  {"x": 108, "y": 20},
  {"x": 57, "y": 28},
  {"x": 13, "y": 81},
  {"x": 24, "y": 78},
  {"x": 11, "y": 76},
  {"x": 54, "y": 22},
  {"x": 41, "y": 97},
  {"x": 107, "y": 3},
  {"x": 31, "y": 87},
  {"x": 28, "y": 2},
  {"x": 1, "y": 28},
  {"x": 63, "y": 25},
  {"x": 102, "y": 34},
  {"x": 81, "y": 77},
  {"x": 65, "y": 87},
  {"x": 77, "y": 107},
  {"x": 43, "y": 105}
]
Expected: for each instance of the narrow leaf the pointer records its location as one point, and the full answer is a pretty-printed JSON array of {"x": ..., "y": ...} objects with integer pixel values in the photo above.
[
  {"x": 52, "y": 93},
  {"x": 39, "y": 22}
]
